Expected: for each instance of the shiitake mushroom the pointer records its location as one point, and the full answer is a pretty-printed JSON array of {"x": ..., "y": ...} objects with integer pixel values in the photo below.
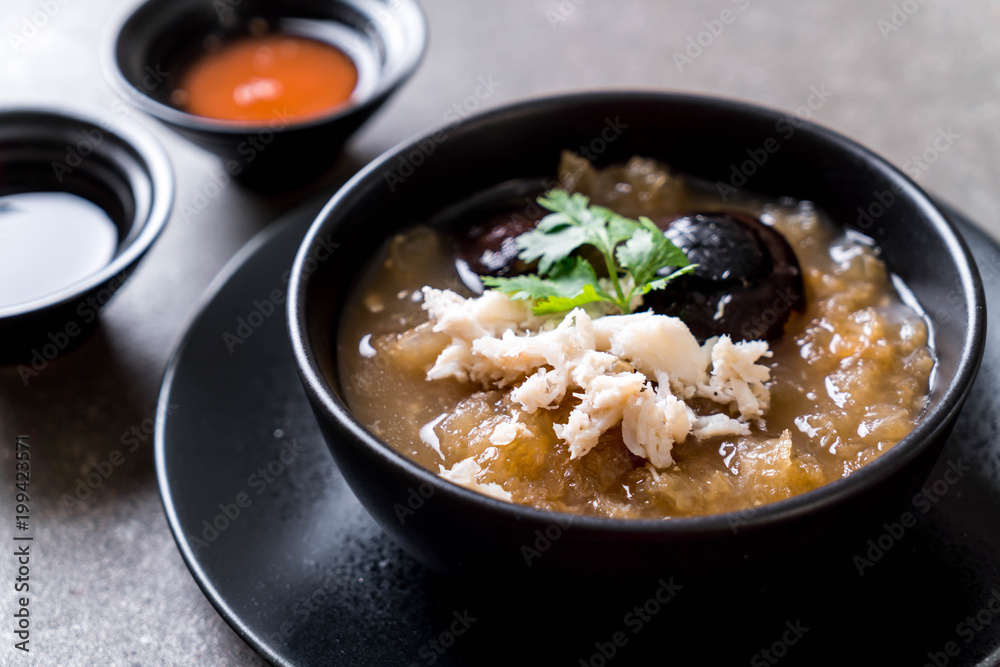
[
  {"x": 747, "y": 283},
  {"x": 488, "y": 248}
]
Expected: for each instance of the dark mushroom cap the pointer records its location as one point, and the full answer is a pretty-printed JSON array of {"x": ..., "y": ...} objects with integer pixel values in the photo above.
[
  {"x": 747, "y": 283},
  {"x": 488, "y": 248}
]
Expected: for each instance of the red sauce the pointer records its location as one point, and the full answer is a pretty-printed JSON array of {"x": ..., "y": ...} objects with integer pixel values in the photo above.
[{"x": 258, "y": 78}]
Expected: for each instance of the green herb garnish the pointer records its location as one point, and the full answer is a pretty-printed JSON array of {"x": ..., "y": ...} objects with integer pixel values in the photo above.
[{"x": 633, "y": 251}]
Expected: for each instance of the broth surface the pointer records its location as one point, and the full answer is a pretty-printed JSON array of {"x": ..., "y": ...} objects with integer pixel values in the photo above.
[{"x": 849, "y": 378}]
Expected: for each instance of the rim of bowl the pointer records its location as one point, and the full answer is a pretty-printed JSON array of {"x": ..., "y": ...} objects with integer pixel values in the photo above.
[
  {"x": 416, "y": 29},
  {"x": 832, "y": 493},
  {"x": 157, "y": 168}
]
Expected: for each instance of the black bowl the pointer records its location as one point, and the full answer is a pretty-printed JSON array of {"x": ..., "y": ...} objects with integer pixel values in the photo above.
[
  {"x": 147, "y": 52},
  {"x": 455, "y": 530},
  {"x": 101, "y": 157}
]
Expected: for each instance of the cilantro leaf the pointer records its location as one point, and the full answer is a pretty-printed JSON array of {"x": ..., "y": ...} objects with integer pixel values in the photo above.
[
  {"x": 566, "y": 279},
  {"x": 661, "y": 283},
  {"x": 550, "y": 244},
  {"x": 648, "y": 251},
  {"x": 522, "y": 288},
  {"x": 559, "y": 304},
  {"x": 620, "y": 228},
  {"x": 634, "y": 253},
  {"x": 571, "y": 224}
]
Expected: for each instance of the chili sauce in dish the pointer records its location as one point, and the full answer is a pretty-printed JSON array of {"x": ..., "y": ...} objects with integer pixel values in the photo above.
[{"x": 262, "y": 77}]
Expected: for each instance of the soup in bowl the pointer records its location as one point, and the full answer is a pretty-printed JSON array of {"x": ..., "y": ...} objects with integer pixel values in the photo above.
[{"x": 792, "y": 373}]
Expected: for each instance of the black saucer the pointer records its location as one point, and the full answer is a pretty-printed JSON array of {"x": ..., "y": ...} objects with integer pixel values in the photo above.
[{"x": 283, "y": 550}]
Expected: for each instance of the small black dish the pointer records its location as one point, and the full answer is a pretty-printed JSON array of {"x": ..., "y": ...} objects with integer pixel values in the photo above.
[
  {"x": 92, "y": 157},
  {"x": 147, "y": 52},
  {"x": 306, "y": 577},
  {"x": 458, "y": 531}
]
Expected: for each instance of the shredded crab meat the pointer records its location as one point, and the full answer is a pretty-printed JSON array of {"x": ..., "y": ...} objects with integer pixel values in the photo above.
[
  {"x": 652, "y": 422},
  {"x": 505, "y": 433},
  {"x": 465, "y": 472},
  {"x": 634, "y": 370}
]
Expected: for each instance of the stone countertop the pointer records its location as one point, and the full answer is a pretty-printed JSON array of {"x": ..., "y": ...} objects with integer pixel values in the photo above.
[{"x": 109, "y": 584}]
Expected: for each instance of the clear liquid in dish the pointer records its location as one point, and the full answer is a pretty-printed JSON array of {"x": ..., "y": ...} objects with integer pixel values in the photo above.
[{"x": 49, "y": 241}]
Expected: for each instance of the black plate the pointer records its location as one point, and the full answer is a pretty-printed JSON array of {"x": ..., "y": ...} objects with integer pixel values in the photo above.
[{"x": 302, "y": 573}]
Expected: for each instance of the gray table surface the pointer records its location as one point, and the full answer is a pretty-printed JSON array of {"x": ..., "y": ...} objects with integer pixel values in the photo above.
[{"x": 109, "y": 586}]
